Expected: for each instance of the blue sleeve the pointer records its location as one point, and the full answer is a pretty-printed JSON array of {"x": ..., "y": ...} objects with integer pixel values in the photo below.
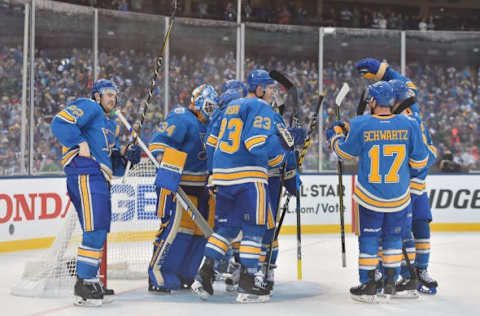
[
  {"x": 171, "y": 133},
  {"x": 259, "y": 126},
  {"x": 431, "y": 149},
  {"x": 67, "y": 124},
  {"x": 418, "y": 155},
  {"x": 349, "y": 147}
]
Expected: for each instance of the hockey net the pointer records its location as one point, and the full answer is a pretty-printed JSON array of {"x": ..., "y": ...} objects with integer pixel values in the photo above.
[{"x": 129, "y": 244}]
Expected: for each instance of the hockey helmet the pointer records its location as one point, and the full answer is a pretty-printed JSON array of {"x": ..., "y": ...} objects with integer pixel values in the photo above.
[
  {"x": 102, "y": 85},
  {"x": 258, "y": 77},
  {"x": 235, "y": 84},
  {"x": 382, "y": 93}
]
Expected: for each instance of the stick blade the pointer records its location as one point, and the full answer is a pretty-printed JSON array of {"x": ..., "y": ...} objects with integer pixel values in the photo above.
[
  {"x": 341, "y": 95},
  {"x": 281, "y": 78}
]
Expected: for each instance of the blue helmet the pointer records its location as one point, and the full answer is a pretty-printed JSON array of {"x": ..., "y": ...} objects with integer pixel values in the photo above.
[
  {"x": 205, "y": 100},
  {"x": 235, "y": 84},
  {"x": 382, "y": 93},
  {"x": 258, "y": 77},
  {"x": 229, "y": 95},
  {"x": 400, "y": 90},
  {"x": 101, "y": 85}
]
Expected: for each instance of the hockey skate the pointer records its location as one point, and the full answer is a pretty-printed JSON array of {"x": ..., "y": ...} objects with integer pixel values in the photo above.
[
  {"x": 379, "y": 282},
  {"x": 232, "y": 277},
  {"x": 251, "y": 288},
  {"x": 203, "y": 284},
  {"x": 426, "y": 284},
  {"x": 389, "y": 289},
  {"x": 406, "y": 288},
  {"x": 88, "y": 293},
  {"x": 270, "y": 279},
  {"x": 366, "y": 292}
]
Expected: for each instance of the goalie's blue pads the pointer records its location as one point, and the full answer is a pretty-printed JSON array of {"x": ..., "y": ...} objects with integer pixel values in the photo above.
[
  {"x": 133, "y": 154},
  {"x": 170, "y": 170}
]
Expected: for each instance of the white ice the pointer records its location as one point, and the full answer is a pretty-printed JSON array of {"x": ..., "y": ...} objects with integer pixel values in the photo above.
[{"x": 323, "y": 290}]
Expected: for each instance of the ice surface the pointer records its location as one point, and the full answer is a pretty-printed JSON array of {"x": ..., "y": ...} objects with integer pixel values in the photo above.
[{"x": 323, "y": 290}]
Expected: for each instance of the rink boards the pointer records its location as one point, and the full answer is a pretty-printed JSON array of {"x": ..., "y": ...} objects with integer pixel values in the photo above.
[{"x": 33, "y": 209}]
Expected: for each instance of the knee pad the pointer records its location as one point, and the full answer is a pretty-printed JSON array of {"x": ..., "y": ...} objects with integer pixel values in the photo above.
[
  {"x": 94, "y": 239},
  {"x": 421, "y": 229}
]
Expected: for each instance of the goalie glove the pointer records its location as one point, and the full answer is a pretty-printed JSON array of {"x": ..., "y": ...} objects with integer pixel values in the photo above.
[{"x": 170, "y": 171}]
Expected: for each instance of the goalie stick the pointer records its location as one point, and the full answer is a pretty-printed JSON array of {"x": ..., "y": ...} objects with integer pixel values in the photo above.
[
  {"x": 156, "y": 70},
  {"x": 182, "y": 197},
  {"x": 338, "y": 101}
]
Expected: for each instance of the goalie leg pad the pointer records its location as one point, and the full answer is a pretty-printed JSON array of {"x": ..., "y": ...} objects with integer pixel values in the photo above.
[
  {"x": 168, "y": 265},
  {"x": 193, "y": 258}
]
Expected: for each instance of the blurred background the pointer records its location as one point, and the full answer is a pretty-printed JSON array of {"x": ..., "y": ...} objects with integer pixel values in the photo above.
[{"x": 52, "y": 51}]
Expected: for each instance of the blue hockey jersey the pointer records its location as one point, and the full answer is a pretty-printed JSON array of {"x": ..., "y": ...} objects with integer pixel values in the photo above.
[
  {"x": 242, "y": 154},
  {"x": 183, "y": 131},
  {"x": 386, "y": 146},
  {"x": 417, "y": 180},
  {"x": 211, "y": 139},
  {"x": 85, "y": 120}
]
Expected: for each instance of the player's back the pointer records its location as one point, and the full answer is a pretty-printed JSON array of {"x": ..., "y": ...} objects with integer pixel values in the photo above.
[
  {"x": 183, "y": 131},
  {"x": 241, "y": 155},
  {"x": 386, "y": 146}
]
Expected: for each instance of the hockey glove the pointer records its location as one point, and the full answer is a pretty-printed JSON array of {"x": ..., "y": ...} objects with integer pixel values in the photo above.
[
  {"x": 338, "y": 129},
  {"x": 170, "y": 170},
  {"x": 371, "y": 68},
  {"x": 299, "y": 134},
  {"x": 133, "y": 154},
  {"x": 286, "y": 138}
]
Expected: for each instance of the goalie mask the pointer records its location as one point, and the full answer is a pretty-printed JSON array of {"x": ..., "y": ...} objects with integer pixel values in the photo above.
[{"x": 204, "y": 100}]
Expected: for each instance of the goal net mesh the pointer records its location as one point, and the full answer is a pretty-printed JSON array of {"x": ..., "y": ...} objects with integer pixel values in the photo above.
[{"x": 129, "y": 245}]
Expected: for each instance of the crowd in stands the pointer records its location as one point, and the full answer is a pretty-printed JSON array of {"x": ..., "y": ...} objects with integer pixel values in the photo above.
[
  {"x": 449, "y": 97},
  {"x": 333, "y": 13}
]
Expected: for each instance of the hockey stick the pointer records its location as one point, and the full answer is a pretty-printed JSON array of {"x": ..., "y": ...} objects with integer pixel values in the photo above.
[
  {"x": 291, "y": 90},
  {"x": 294, "y": 121},
  {"x": 338, "y": 101},
  {"x": 156, "y": 70},
  {"x": 276, "y": 229},
  {"x": 192, "y": 211},
  {"x": 308, "y": 141}
]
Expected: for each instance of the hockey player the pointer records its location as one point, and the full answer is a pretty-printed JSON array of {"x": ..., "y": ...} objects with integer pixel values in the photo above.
[
  {"x": 91, "y": 156},
  {"x": 386, "y": 145},
  {"x": 231, "y": 90},
  {"x": 419, "y": 248},
  {"x": 179, "y": 245},
  {"x": 240, "y": 175},
  {"x": 373, "y": 69}
]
